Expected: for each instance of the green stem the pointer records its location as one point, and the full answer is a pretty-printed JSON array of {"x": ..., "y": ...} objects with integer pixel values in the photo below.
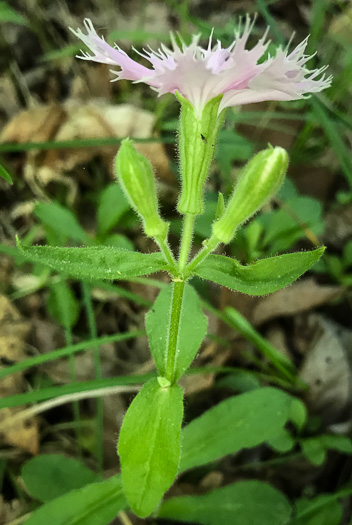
[
  {"x": 73, "y": 377},
  {"x": 209, "y": 246},
  {"x": 178, "y": 288},
  {"x": 87, "y": 299},
  {"x": 165, "y": 249},
  {"x": 186, "y": 241}
]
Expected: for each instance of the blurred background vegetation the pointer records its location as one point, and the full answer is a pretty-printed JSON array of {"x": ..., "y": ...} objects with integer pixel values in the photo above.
[{"x": 61, "y": 122}]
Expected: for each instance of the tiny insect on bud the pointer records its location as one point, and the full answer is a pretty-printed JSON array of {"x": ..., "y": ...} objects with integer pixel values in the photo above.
[
  {"x": 259, "y": 181},
  {"x": 136, "y": 177}
]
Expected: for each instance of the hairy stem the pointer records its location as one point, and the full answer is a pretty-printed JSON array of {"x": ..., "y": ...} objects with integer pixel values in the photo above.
[
  {"x": 209, "y": 246},
  {"x": 176, "y": 306},
  {"x": 186, "y": 241}
]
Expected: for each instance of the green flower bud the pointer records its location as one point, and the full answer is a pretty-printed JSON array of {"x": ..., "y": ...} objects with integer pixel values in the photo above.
[
  {"x": 197, "y": 140},
  {"x": 136, "y": 177},
  {"x": 259, "y": 181}
]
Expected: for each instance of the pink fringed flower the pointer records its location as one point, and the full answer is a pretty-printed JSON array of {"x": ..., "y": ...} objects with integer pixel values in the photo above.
[{"x": 200, "y": 74}]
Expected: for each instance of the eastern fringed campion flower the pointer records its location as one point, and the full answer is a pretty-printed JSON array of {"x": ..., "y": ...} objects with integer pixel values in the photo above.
[{"x": 200, "y": 74}]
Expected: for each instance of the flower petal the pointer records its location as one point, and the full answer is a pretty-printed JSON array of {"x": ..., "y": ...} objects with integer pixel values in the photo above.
[{"x": 106, "y": 54}]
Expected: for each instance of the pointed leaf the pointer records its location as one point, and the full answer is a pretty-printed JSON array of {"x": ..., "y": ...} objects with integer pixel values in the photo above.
[
  {"x": 62, "y": 221},
  {"x": 4, "y": 174},
  {"x": 262, "y": 277},
  {"x": 245, "y": 502},
  {"x": 112, "y": 206},
  {"x": 95, "y": 262},
  {"x": 149, "y": 445},
  {"x": 192, "y": 329}
]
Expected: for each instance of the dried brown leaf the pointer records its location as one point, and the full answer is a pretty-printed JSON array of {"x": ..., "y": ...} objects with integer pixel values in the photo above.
[{"x": 301, "y": 296}]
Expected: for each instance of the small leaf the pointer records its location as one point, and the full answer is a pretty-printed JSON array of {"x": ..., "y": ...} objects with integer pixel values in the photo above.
[
  {"x": 245, "y": 502},
  {"x": 5, "y": 174},
  {"x": 342, "y": 444},
  {"x": 262, "y": 277},
  {"x": 62, "y": 304},
  {"x": 49, "y": 476},
  {"x": 95, "y": 262},
  {"x": 239, "y": 422},
  {"x": 192, "y": 329},
  {"x": 220, "y": 208},
  {"x": 95, "y": 504},
  {"x": 314, "y": 450},
  {"x": 112, "y": 206},
  {"x": 149, "y": 445},
  {"x": 62, "y": 221}
]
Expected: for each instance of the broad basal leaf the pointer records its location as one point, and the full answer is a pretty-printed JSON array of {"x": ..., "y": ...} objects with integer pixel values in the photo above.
[
  {"x": 192, "y": 329},
  {"x": 149, "y": 445},
  {"x": 49, "y": 476},
  {"x": 259, "y": 278},
  {"x": 95, "y": 262},
  {"x": 242, "y": 503},
  {"x": 96, "y": 504},
  {"x": 239, "y": 422}
]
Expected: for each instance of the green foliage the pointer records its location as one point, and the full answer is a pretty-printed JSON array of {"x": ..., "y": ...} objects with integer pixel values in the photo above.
[
  {"x": 95, "y": 262},
  {"x": 49, "y": 476},
  {"x": 8, "y": 14},
  {"x": 281, "y": 362},
  {"x": 4, "y": 174},
  {"x": 246, "y": 502},
  {"x": 62, "y": 304},
  {"x": 232, "y": 147},
  {"x": 322, "y": 510},
  {"x": 259, "y": 278},
  {"x": 315, "y": 448},
  {"x": 192, "y": 329},
  {"x": 149, "y": 445},
  {"x": 239, "y": 422},
  {"x": 62, "y": 222},
  {"x": 284, "y": 227},
  {"x": 112, "y": 207},
  {"x": 95, "y": 504}
]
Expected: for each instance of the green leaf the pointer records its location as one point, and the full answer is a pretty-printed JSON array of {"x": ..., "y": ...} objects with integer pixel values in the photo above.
[
  {"x": 242, "y": 503},
  {"x": 62, "y": 221},
  {"x": 192, "y": 329},
  {"x": 118, "y": 240},
  {"x": 260, "y": 278},
  {"x": 322, "y": 510},
  {"x": 62, "y": 304},
  {"x": 49, "y": 476},
  {"x": 241, "y": 381},
  {"x": 95, "y": 262},
  {"x": 5, "y": 175},
  {"x": 284, "y": 227},
  {"x": 342, "y": 444},
  {"x": 239, "y": 422},
  {"x": 149, "y": 445},
  {"x": 112, "y": 206},
  {"x": 314, "y": 450},
  {"x": 95, "y": 504},
  {"x": 283, "y": 442},
  {"x": 7, "y": 14}
]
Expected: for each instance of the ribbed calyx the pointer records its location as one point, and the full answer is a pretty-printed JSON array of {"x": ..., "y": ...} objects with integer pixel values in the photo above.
[{"x": 197, "y": 141}]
